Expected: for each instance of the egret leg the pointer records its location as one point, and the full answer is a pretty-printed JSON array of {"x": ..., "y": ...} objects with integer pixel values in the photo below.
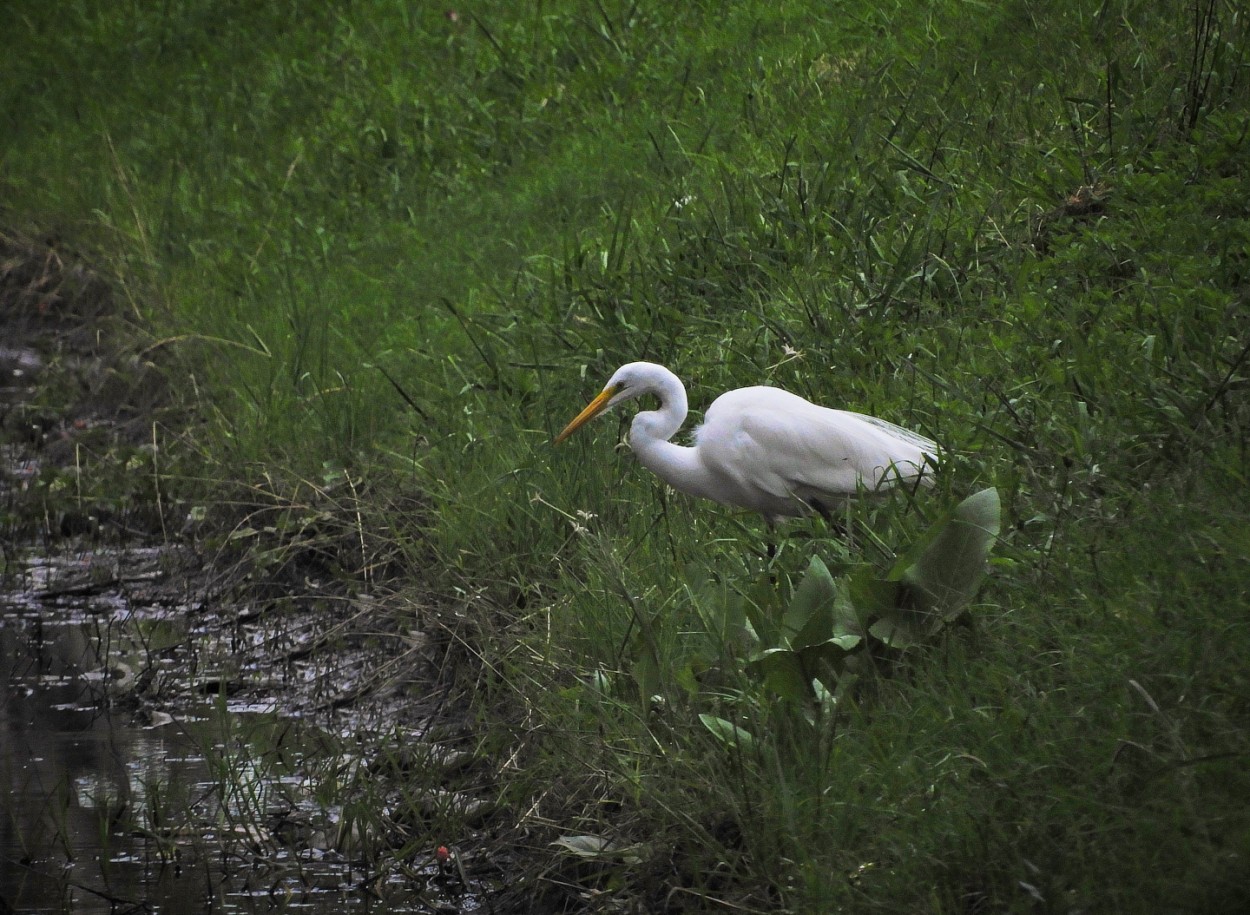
[
  {"x": 823, "y": 509},
  {"x": 772, "y": 552},
  {"x": 833, "y": 523}
]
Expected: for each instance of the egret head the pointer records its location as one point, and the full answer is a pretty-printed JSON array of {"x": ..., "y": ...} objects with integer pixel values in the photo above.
[{"x": 629, "y": 381}]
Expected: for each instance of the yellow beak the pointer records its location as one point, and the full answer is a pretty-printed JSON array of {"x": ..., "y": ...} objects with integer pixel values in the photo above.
[{"x": 593, "y": 409}]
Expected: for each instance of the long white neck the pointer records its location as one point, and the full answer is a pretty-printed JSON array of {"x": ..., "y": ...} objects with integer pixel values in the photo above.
[{"x": 649, "y": 435}]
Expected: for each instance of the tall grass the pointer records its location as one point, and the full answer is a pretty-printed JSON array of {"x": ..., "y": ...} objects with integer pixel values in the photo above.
[{"x": 1032, "y": 250}]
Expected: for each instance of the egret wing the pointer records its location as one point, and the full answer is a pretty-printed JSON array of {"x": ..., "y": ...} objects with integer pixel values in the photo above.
[
  {"x": 927, "y": 445},
  {"x": 777, "y": 452}
]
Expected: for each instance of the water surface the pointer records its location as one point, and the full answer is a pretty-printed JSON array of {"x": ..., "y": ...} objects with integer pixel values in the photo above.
[{"x": 110, "y": 802}]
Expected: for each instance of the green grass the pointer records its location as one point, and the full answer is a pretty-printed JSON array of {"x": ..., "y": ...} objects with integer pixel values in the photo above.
[{"x": 1033, "y": 250}]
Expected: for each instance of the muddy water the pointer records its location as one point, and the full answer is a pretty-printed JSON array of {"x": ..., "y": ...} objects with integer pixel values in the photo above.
[{"x": 111, "y": 801}]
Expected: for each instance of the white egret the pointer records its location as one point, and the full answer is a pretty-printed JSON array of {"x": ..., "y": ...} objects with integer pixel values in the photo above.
[{"x": 762, "y": 448}]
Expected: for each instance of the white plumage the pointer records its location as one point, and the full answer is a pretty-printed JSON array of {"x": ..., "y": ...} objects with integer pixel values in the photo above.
[{"x": 763, "y": 448}]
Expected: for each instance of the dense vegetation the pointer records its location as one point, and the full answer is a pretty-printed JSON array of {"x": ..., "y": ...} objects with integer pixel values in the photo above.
[{"x": 387, "y": 250}]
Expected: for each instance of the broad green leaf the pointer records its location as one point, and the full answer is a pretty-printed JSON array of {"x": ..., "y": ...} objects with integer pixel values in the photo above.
[
  {"x": 882, "y": 601},
  {"x": 901, "y": 627},
  {"x": 827, "y": 661},
  {"x": 848, "y": 627},
  {"x": 782, "y": 671},
  {"x": 832, "y": 651},
  {"x": 585, "y": 846},
  {"x": 846, "y": 642},
  {"x": 598, "y": 847},
  {"x": 946, "y": 575},
  {"x": 871, "y": 596},
  {"x": 810, "y": 616},
  {"x": 727, "y": 732}
]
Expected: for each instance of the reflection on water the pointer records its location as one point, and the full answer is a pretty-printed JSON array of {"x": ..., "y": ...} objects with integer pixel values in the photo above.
[{"x": 106, "y": 809}]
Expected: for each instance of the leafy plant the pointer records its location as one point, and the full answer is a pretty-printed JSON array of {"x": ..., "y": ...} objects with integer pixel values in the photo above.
[
  {"x": 809, "y": 652},
  {"x": 932, "y": 584}
]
